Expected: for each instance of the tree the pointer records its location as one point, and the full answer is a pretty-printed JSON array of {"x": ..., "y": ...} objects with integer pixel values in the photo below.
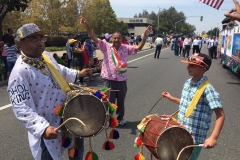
[
  {"x": 122, "y": 28},
  {"x": 100, "y": 16},
  {"x": 9, "y": 6},
  {"x": 213, "y": 32},
  {"x": 167, "y": 20}
]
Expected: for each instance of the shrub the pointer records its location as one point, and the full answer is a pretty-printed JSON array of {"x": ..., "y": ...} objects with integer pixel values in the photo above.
[{"x": 56, "y": 41}]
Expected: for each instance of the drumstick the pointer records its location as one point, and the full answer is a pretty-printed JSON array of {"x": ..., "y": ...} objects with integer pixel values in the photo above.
[
  {"x": 190, "y": 146},
  {"x": 69, "y": 120},
  {"x": 156, "y": 103}
]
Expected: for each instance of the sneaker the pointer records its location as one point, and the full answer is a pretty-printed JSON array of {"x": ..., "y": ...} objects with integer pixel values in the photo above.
[
  {"x": 81, "y": 84},
  {"x": 122, "y": 122}
]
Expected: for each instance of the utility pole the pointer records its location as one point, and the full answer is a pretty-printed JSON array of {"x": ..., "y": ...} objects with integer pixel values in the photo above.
[
  {"x": 217, "y": 29},
  {"x": 158, "y": 19}
]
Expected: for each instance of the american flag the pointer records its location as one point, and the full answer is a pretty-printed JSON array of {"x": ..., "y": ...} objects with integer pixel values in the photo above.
[{"x": 213, "y": 3}]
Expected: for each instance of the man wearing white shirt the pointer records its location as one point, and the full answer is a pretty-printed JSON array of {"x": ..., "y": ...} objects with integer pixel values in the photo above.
[
  {"x": 195, "y": 45},
  {"x": 214, "y": 44},
  {"x": 187, "y": 45},
  {"x": 158, "y": 43}
]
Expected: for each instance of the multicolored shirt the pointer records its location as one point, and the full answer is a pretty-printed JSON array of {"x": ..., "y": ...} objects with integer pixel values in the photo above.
[
  {"x": 109, "y": 70},
  {"x": 199, "y": 122}
]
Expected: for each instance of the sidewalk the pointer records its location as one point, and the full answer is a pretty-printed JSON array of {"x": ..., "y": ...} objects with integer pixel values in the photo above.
[
  {"x": 99, "y": 54},
  {"x": 60, "y": 53}
]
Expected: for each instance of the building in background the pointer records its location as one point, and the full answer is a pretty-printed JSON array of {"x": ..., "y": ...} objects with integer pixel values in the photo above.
[{"x": 136, "y": 26}]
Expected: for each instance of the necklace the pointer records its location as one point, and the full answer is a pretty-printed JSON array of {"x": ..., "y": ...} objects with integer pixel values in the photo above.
[{"x": 39, "y": 64}]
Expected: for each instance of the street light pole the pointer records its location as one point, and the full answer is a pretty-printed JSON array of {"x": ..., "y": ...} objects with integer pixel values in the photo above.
[
  {"x": 217, "y": 29},
  {"x": 158, "y": 19}
]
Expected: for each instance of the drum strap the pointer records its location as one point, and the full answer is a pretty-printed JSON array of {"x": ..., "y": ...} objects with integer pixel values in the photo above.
[
  {"x": 56, "y": 75},
  {"x": 196, "y": 98}
]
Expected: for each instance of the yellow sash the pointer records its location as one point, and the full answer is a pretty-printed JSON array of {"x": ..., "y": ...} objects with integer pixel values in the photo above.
[
  {"x": 196, "y": 98},
  {"x": 56, "y": 75}
]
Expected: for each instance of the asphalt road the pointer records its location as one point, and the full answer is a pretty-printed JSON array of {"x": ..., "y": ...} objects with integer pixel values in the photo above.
[{"x": 147, "y": 79}]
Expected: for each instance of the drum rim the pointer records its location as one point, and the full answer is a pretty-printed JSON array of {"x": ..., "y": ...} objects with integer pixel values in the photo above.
[
  {"x": 173, "y": 126},
  {"x": 106, "y": 115}
]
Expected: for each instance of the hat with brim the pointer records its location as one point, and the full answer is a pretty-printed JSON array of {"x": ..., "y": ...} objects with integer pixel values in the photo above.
[
  {"x": 199, "y": 59},
  {"x": 71, "y": 41},
  {"x": 29, "y": 29},
  {"x": 187, "y": 62}
]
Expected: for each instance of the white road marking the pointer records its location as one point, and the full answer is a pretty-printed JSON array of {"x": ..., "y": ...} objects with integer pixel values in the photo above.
[
  {"x": 9, "y": 105},
  {"x": 6, "y": 106}
]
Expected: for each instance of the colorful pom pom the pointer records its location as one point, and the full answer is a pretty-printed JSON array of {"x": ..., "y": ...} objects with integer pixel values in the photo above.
[
  {"x": 66, "y": 142},
  {"x": 91, "y": 156},
  {"x": 108, "y": 145},
  {"x": 139, "y": 157},
  {"x": 73, "y": 153},
  {"x": 114, "y": 134},
  {"x": 143, "y": 129},
  {"x": 111, "y": 108},
  {"x": 104, "y": 89},
  {"x": 98, "y": 94},
  {"x": 113, "y": 122},
  {"x": 137, "y": 142},
  {"x": 105, "y": 96},
  {"x": 59, "y": 110}
]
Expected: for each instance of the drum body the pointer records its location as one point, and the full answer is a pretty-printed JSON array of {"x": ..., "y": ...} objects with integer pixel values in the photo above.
[
  {"x": 89, "y": 109},
  {"x": 165, "y": 138}
]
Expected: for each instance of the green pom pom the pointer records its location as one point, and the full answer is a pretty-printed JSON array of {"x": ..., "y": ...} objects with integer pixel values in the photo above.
[
  {"x": 95, "y": 156},
  {"x": 135, "y": 145},
  {"x": 143, "y": 129},
  {"x": 111, "y": 109}
]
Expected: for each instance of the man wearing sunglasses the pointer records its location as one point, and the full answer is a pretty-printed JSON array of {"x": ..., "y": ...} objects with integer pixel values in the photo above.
[
  {"x": 37, "y": 85},
  {"x": 197, "y": 103}
]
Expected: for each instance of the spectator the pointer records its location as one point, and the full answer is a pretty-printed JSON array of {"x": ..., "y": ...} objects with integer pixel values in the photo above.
[
  {"x": 11, "y": 52},
  {"x": 4, "y": 59},
  {"x": 65, "y": 58},
  {"x": 5, "y": 36},
  {"x": 69, "y": 50},
  {"x": 59, "y": 60}
]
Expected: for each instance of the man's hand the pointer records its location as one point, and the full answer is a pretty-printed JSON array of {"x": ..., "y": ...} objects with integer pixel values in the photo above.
[
  {"x": 85, "y": 72},
  {"x": 83, "y": 21},
  {"x": 147, "y": 31},
  {"x": 50, "y": 133},
  {"x": 235, "y": 16}
]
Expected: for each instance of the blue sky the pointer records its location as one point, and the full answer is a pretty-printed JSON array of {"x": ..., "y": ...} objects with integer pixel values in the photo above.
[{"x": 211, "y": 16}]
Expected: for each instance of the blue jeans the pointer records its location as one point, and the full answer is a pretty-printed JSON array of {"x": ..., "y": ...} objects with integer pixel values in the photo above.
[
  {"x": 10, "y": 66},
  {"x": 79, "y": 143}
]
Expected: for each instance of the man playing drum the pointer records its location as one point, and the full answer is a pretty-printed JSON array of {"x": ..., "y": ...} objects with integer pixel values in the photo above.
[
  {"x": 35, "y": 92},
  {"x": 195, "y": 113},
  {"x": 114, "y": 66}
]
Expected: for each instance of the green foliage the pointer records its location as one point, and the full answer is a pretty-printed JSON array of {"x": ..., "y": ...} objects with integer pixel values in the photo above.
[
  {"x": 54, "y": 49},
  {"x": 213, "y": 32},
  {"x": 167, "y": 20},
  {"x": 56, "y": 41},
  {"x": 122, "y": 28}
]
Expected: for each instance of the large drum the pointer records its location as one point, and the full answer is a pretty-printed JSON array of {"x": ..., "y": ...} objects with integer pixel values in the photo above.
[
  {"x": 90, "y": 110},
  {"x": 164, "y": 137}
]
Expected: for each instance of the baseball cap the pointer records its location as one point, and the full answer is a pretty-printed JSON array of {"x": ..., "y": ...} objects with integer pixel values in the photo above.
[
  {"x": 199, "y": 59},
  {"x": 71, "y": 41},
  {"x": 29, "y": 30}
]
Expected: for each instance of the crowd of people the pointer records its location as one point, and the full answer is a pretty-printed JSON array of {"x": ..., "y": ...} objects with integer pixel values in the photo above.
[{"x": 9, "y": 53}]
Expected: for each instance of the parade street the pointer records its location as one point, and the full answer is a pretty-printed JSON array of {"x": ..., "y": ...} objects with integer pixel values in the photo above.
[{"x": 147, "y": 79}]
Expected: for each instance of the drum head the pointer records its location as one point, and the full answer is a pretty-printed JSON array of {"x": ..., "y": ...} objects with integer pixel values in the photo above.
[
  {"x": 88, "y": 109},
  {"x": 172, "y": 141}
]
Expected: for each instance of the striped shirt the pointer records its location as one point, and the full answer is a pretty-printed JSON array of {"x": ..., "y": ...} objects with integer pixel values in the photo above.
[
  {"x": 11, "y": 52},
  {"x": 199, "y": 122}
]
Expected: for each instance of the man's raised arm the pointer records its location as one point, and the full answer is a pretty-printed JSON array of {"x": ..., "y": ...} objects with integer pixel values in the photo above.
[
  {"x": 146, "y": 34},
  {"x": 84, "y": 22}
]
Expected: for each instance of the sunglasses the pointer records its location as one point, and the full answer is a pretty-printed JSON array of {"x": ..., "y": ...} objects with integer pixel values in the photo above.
[{"x": 198, "y": 61}]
